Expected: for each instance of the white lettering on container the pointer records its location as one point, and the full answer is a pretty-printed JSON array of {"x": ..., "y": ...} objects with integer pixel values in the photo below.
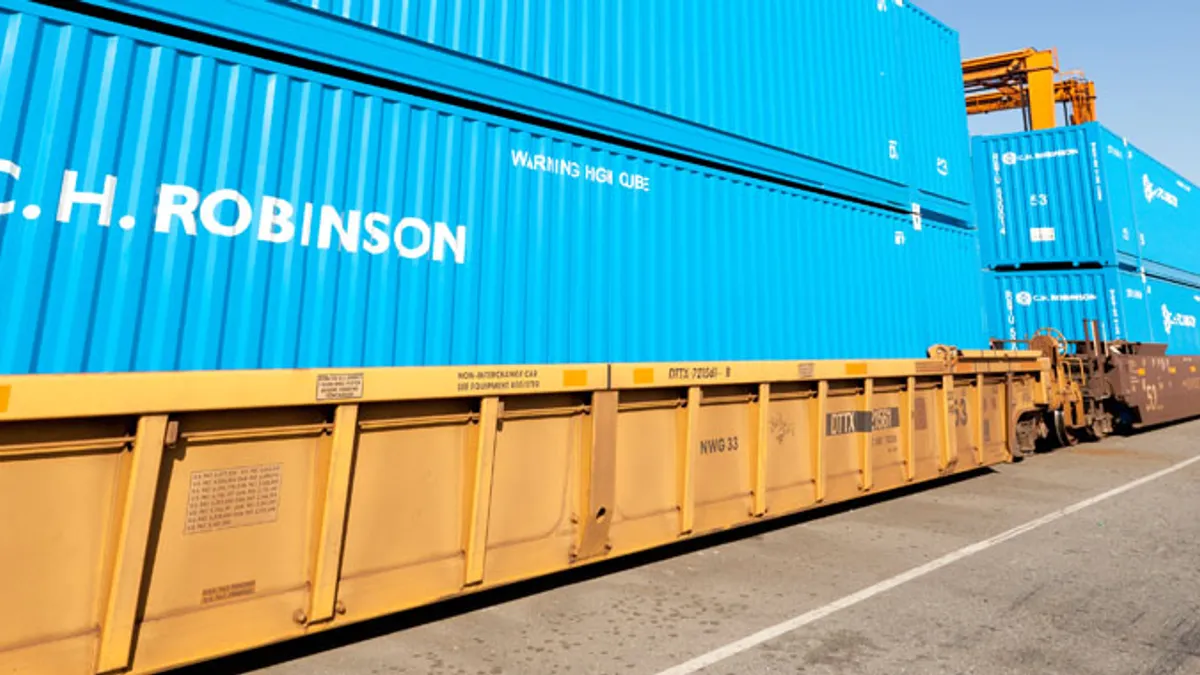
[
  {"x": 558, "y": 166},
  {"x": 546, "y": 164},
  {"x": 444, "y": 239},
  {"x": 347, "y": 229},
  {"x": 1153, "y": 192},
  {"x": 1096, "y": 174},
  {"x": 376, "y": 226},
  {"x": 1173, "y": 319},
  {"x": 227, "y": 213},
  {"x": 1012, "y": 158},
  {"x": 999, "y": 181},
  {"x": 168, "y": 208},
  {"x": 275, "y": 223},
  {"x": 306, "y": 228},
  {"x": 598, "y": 175},
  {"x": 71, "y": 196},
  {"x": 422, "y": 230},
  {"x": 633, "y": 181},
  {"x": 1012, "y": 317},
  {"x": 208, "y": 213},
  {"x": 10, "y": 169},
  {"x": 1116, "y": 313},
  {"x": 1025, "y": 298}
]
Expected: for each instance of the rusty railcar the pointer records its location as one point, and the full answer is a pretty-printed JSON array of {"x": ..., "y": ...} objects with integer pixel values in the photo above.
[{"x": 1099, "y": 387}]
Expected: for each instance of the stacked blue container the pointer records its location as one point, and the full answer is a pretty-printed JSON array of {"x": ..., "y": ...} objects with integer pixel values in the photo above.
[
  {"x": 1078, "y": 224},
  {"x": 220, "y": 206},
  {"x": 754, "y": 86}
]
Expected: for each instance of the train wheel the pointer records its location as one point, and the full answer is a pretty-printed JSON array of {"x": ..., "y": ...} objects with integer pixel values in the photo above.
[
  {"x": 1060, "y": 433},
  {"x": 1102, "y": 426}
]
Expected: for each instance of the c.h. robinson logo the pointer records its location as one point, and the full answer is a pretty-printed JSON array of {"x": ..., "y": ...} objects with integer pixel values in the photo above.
[
  {"x": 1171, "y": 320},
  {"x": 1153, "y": 192}
]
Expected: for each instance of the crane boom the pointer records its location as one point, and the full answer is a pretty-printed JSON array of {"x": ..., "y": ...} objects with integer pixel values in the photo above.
[{"x": 1025, "y": 80}]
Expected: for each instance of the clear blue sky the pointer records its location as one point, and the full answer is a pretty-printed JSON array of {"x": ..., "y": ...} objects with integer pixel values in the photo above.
[{"x": 1143, "y": 55}]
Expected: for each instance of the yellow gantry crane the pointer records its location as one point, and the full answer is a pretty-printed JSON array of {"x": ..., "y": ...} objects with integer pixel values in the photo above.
[{"x": 1025, "y": 80}]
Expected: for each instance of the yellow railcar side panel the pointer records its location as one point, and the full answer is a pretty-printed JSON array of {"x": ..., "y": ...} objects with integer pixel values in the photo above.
[
  {"x": 995, "y": 439},
  {"x": 442, "y": 496},
  {"x": 534, "y": 480},
  {"x": 60, "y": 496},
  {"x": 385, "y": 592},
  {"x": 404, "y": 531},
  {"x": 887, "y": 458},
  {"x": 406, "y": 527},
  {"x": 648, "y": 430},
  {"x": 790, "y": 482},
  {"x": 69, "y": 654},
  {"x": 841, "y": 428},
  {"x": 925, "y": 435},
  {"x": 722, "y": 459},
  {"x": 964, "y": 423},
  {"x": 170, "y": 641},
  {"x": 237, "y": 511}
]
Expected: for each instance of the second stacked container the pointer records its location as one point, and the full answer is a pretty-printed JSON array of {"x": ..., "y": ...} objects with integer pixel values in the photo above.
[{"x": 1077, "y": 224}]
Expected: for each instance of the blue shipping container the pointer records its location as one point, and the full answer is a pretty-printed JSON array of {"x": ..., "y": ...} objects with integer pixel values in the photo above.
[
  {"x": 932, "y": 64},
  {"x": 1055, "y": 196},
  {"x": 210, "y": 210},
  {"x": 1079, "y": 195},
  {"x": 1022, "y": 303},
  {"x": 863, "y": 98},
  {"x": 1174, "y": 309},
  {"x": 1167, "y": 212}
]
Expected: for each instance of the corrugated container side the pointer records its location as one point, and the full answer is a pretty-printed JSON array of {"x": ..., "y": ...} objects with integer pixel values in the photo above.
[
  {"x": 1116, "y": 193},
  {"x": 950, "y": 257},
  {"x": 1052, "y": 196},
  {"x": 757, "y": 70},
  {"x": 1174, "y": 311},
  {"x": 757, "y": 85},
  {"x": 936, "y": 106},
  {"x": 217, "y": 211},
  {"x": 1021, "y": 303},
  {"x": 1167, "y": 209}
]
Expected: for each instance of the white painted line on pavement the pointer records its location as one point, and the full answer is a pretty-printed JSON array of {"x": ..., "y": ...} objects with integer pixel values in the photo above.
[{"x": 751, "y": 641}]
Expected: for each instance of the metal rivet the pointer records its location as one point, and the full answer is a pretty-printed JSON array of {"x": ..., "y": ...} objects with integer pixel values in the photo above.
[{"x": 300, "y": 616}]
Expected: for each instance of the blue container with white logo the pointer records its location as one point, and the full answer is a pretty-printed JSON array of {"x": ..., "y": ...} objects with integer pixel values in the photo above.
[
  {"x": 760, "y": 86},
  {"x": 1128, "y": 306},
  {"x": 1174, "y": 309},
  {"x": 1060, "y": 196},
  {"x": 1166, "y": 209},
  {"x": 1083, "y": 195},
  {"x": 1021, "y": 303},
  {"x": 217, "y": 211}
]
